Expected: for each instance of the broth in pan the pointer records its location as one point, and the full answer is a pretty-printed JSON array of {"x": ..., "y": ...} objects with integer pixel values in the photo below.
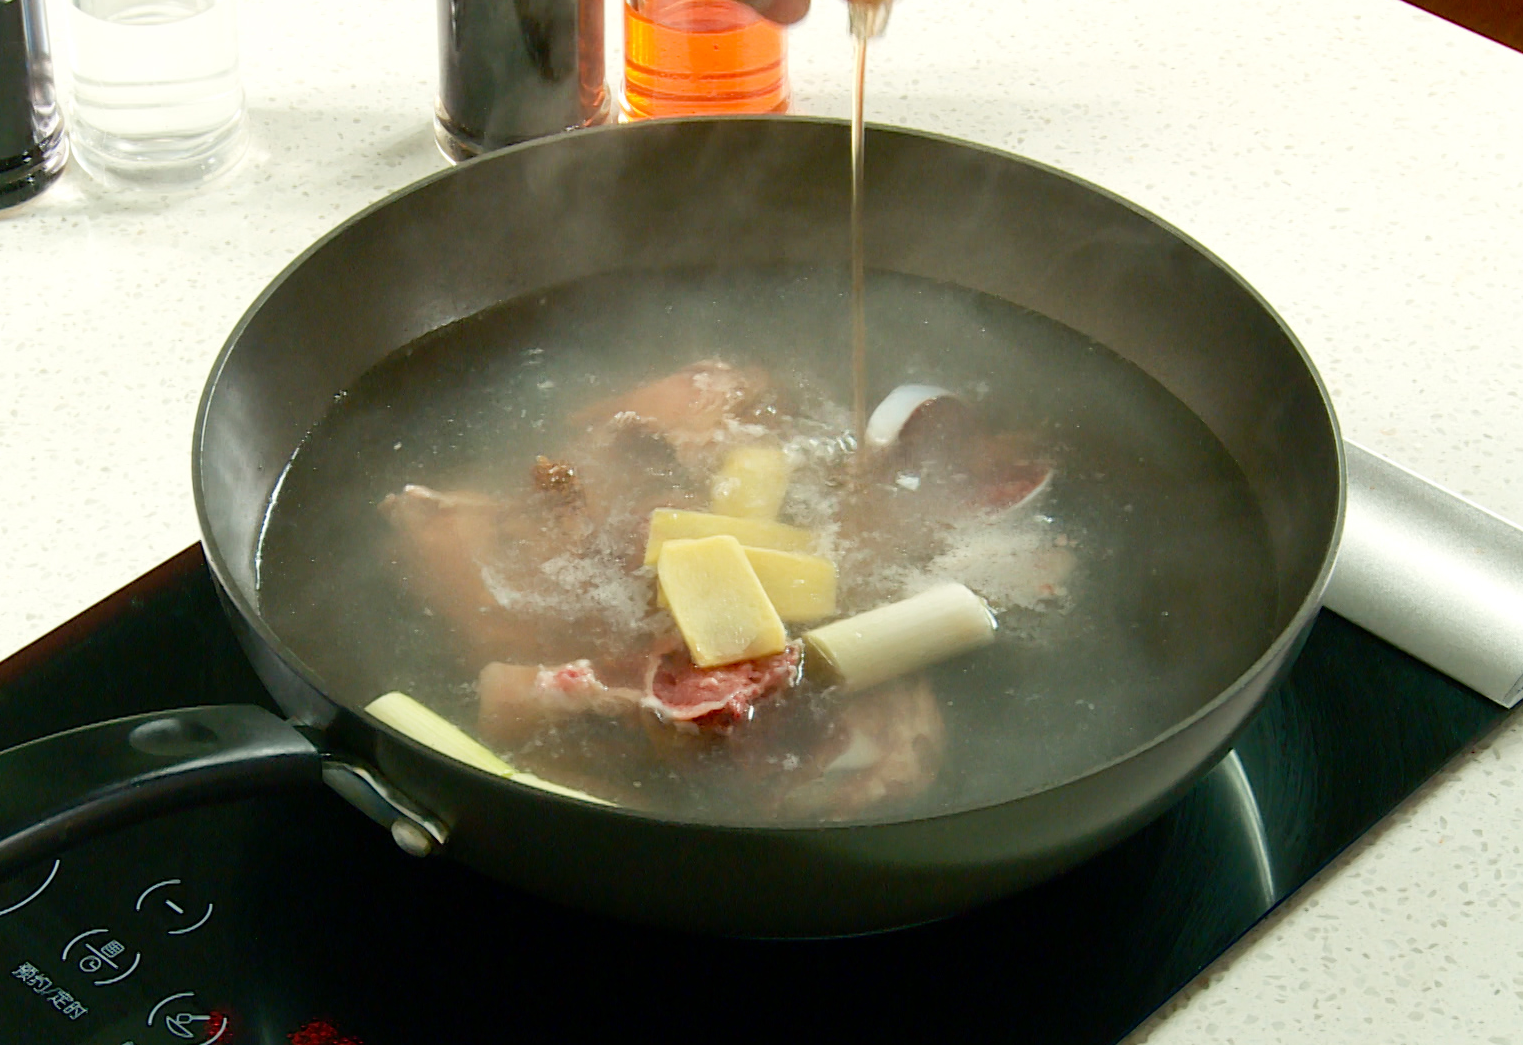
[{"x": 606, "y": 529}]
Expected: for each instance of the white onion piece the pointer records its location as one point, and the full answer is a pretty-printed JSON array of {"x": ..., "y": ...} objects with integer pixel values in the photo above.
[{"x": 891, "y": 415}]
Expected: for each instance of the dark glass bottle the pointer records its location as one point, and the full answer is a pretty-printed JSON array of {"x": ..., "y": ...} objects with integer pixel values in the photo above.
[
  {"x": 511, "y": 70},
  {"x": 33, "y": 146}
]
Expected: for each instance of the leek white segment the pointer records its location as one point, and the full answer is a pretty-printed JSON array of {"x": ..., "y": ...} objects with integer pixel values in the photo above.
[
  {"x": 406, "y": 715},
  {"x": 903, "y": 636}
]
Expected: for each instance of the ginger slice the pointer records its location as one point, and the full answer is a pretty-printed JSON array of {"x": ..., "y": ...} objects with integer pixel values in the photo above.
[{"x": 719, "y": 604}]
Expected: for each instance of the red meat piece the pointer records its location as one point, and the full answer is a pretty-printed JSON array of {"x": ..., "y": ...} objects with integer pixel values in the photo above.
[
  {"x": 715, "y": 699},
  {"x": 1013, "y": 483}
]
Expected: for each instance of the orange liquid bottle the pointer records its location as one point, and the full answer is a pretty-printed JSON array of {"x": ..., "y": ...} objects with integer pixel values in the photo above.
[{"x": 701, "y": 58}]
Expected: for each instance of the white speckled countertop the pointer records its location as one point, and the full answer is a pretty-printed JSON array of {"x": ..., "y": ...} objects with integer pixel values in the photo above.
[{"x": 1358, "y": 161}]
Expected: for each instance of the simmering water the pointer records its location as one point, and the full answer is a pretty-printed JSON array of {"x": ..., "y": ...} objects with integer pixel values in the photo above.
[{"x": 1168, "y": 596}]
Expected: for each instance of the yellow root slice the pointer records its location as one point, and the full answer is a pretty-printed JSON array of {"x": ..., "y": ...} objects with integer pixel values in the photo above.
[
  {"x": 751, "y": 484},
  {"x": 800, "y": 587},
  {"x": 678, "y": 524},
  {"x": 719, "y": 604}
]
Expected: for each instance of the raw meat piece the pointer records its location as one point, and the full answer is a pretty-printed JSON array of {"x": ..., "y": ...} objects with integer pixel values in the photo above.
[
  {"x": 714, "y": 699},
  {"x": 887, "y": 745},
  {"x": 518, "y": 699},
  {"x": 445, "y": 539},
  {"x": 691, "y": 410},
  {"x": 1010, "y": 482},
  {"x": 561, "y": 488},
  {"x": 505, "y": 576}
]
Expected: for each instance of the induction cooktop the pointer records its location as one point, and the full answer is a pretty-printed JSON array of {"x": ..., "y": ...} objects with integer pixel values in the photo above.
[{"x": 290, "y": 918}]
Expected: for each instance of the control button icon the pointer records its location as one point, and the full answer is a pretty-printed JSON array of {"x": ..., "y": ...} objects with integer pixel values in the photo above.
[
  {"x": 183, "y": 1021},
  {"x": 18, "y": 905},
  {"x": 96, "y": 958},
  {"x": 167, "y": 898}
]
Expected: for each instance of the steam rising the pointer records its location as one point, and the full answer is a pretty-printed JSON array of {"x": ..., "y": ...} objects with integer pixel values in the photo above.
[{"x": 1151, "y": 621}]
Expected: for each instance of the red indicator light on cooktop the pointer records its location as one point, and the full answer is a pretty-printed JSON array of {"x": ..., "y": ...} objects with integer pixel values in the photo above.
[{"x": 321, "y": 1032}]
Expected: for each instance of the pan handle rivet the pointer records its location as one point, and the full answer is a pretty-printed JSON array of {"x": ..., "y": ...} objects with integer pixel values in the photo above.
[{"x": 410, "y": 838}]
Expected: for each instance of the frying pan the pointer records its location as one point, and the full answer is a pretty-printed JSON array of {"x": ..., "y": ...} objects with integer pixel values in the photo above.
[{"x": 704, "y": 193}]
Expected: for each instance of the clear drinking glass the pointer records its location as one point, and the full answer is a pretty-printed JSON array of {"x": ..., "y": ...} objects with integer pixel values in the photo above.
[
  {"x": 33, "y": 147},
  {"x": 157, "y": 99}
]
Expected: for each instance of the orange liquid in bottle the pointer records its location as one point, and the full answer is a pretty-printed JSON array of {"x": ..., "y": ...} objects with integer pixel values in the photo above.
[{"x": 701, "y": 58}]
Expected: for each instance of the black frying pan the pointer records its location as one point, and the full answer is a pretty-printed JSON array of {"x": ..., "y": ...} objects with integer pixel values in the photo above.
[{"x": 683, "y": 194}]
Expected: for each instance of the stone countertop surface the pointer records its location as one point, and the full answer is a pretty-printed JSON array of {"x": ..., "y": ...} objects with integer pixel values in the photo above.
[{"x": 1359, "y": 162}]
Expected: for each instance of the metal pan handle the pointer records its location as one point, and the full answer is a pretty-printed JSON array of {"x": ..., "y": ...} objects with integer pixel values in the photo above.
[
  {"x": 1432, "y": 574},
  {"x": 58, "y": 790}
]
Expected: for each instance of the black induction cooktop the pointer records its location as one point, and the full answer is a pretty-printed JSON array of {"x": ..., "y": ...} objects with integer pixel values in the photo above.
[{"x": 292, "y": 919}]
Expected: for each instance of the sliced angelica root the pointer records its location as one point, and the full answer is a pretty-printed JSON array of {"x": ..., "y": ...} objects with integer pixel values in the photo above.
[
  {"x": 903, "y": 636},
  {"x": 406, "y": 715},
  {"x": 530, "y": 780}
]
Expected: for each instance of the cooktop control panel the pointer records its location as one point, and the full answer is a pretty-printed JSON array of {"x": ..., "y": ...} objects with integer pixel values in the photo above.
[
  {"x": 188, "y": 929},
  {"x": 79, "y": 975}
]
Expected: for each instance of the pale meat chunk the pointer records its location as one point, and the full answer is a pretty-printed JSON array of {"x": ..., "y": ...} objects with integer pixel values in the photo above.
[
  {"x": 691, "y": 410},
  {"x": 887, "y": 745},
  {"x": 517, "y": 700},
  {"x": 444, "y": 538},
  {"x": 505, "y": 575},
  {"x": 563, "y": 493}
]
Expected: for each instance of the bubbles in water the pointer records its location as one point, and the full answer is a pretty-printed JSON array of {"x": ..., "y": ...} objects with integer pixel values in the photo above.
[{"x": 1118, "y": 617}]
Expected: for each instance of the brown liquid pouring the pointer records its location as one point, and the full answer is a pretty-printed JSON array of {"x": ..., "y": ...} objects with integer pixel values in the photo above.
[{"x": 868, "y": 18}]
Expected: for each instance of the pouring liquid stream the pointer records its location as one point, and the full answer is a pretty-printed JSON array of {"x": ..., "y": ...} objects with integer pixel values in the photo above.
[
  {"x": 867, "y": 18},
  {"x": 858, "y": 263}
]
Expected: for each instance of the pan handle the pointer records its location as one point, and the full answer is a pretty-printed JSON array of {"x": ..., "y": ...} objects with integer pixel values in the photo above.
[{"x": 59, "y": 790}]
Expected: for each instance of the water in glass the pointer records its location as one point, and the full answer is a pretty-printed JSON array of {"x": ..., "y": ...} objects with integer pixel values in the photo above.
[{"x": 157, "y": 96}]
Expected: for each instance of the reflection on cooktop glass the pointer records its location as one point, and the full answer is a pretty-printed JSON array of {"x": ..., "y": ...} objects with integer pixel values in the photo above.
[{"x": 292, "y": 918}]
